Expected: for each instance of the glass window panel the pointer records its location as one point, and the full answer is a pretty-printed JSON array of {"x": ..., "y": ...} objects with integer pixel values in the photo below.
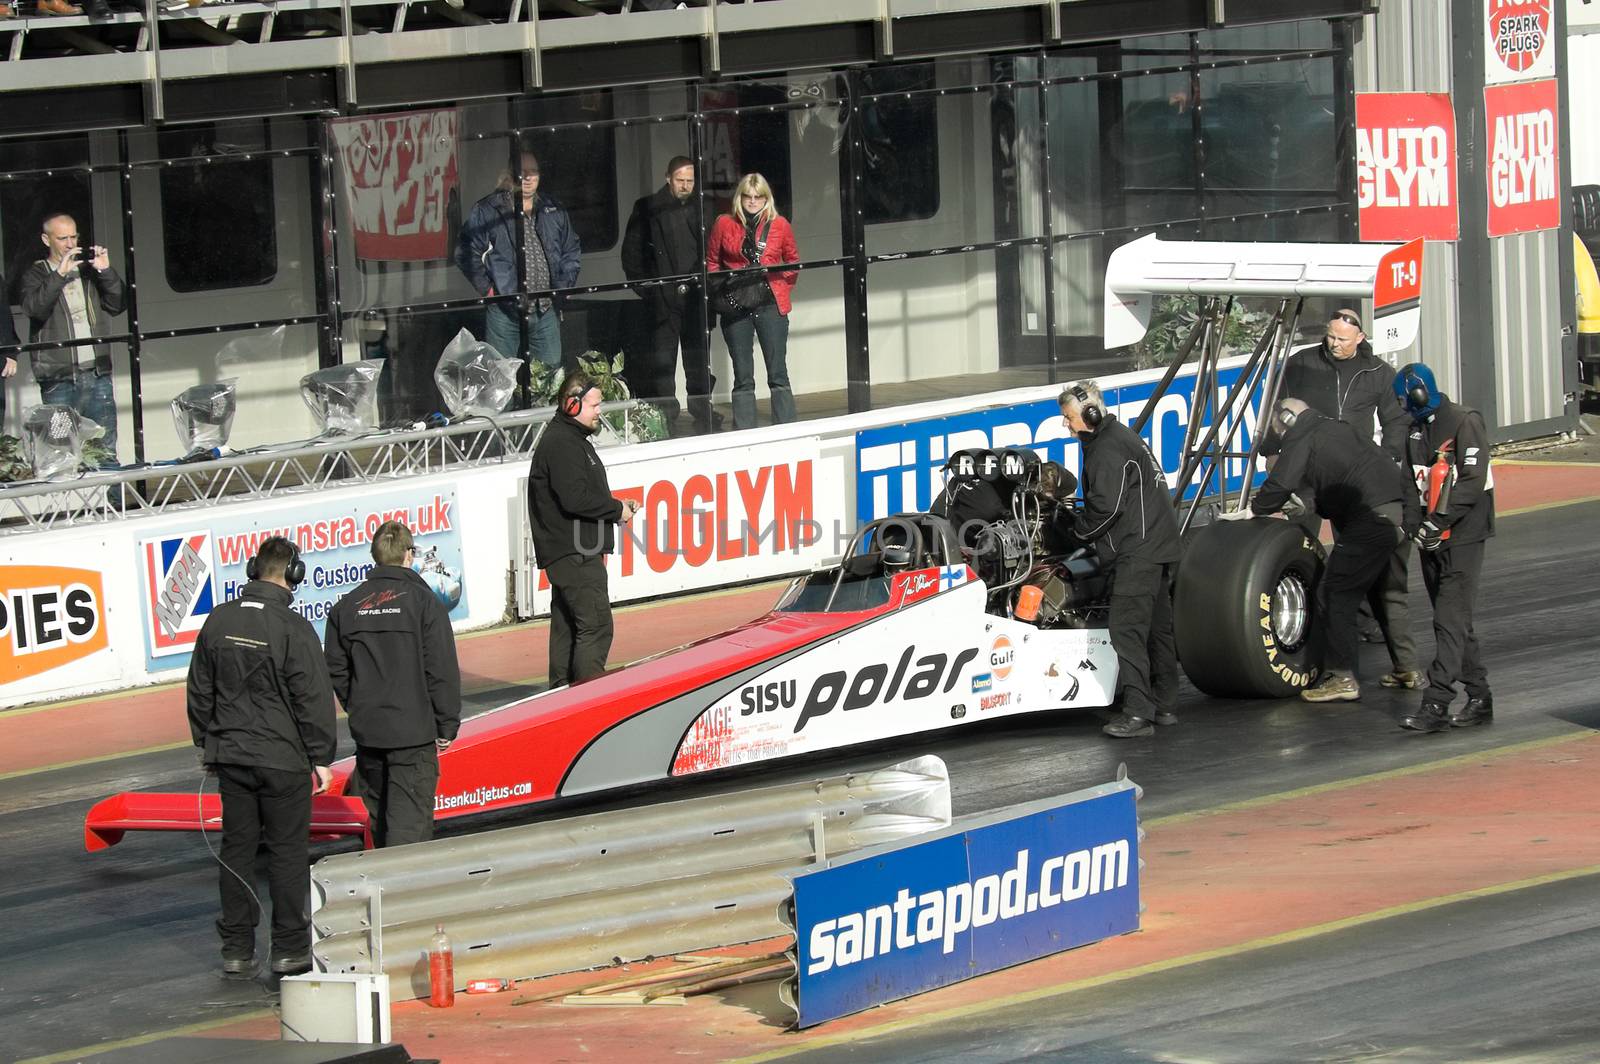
[
  {"x": 268, "y": 365},
  {"x": 1269, "y": 39},
  {"x": 1269, "y": 131},
  {"x": 231, "y": 241},
  {"x": 46, "y": 177},
  {"x": 900, "y": 141}
]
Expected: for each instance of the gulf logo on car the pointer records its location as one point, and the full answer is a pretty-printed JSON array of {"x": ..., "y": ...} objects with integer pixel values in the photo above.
[
  {"x": 1000, "y": 656},
  {"x": 49, "y": 617},
  {"x": 180, "y": 589}
]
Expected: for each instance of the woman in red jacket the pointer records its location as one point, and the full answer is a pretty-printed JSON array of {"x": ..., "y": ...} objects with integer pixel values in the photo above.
[{"x": 754, "y": 306}]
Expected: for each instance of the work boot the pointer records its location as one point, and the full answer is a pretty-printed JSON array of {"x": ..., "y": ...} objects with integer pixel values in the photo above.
[
  {"x": 238, "y": 968},
  {"x": 1129, "y": 727},
  {"x": 292, "y": 964},
  {"x": 1476, "y": 711},
  {"x": 1408, "y": 679},
  {"x": 1428, "y": 717},
  {"x": 1165, "y": 717},
  {"x": 1333, "y": 688},
  {"x": 58, "y": 7}
]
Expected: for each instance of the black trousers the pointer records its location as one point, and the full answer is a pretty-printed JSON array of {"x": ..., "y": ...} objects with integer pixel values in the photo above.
[
  {"x": 1451, "y": 577},
  {"x": 679, "y": 319},
  {"x": 271, "y": 809},
  {"x": 580, "y": 618},
  {"x": 1358, "y": 566},
  {"x": 1141, "y": 636},
  {"x": 397, "y": 786}
]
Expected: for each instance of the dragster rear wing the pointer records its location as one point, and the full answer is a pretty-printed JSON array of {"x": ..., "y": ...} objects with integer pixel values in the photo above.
[{"x": 1389, "y": 274}]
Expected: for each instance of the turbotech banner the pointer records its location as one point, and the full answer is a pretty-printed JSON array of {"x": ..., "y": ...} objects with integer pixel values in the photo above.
[
  {"x": 188, "y": 570},
  {"x": 1019, "y": 884}
]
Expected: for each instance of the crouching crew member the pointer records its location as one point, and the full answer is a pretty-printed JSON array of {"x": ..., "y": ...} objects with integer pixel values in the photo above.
[
  {"x": 392, "y": 657},
  {"x": 1128, "y": 515},
  {"x": 261, "y": 711},
  {"x": 573, "y": 517},
  {"x": 1358, "y": 488},
  {"x": 1451, "y": 538}
]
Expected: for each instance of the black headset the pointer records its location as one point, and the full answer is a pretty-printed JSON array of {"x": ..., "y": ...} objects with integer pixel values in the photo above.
[
  {"x": 293, "y": 574},
  {"x": 1088, "y": 410},
  {"x": 1286, "y": 417},
  {"x": 1417, "y": 392}
]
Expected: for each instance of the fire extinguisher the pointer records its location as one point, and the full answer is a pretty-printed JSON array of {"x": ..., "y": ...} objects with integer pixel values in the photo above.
[
  {"x": 1441, "y": 478},
  {"x": 441, "y": 970}
]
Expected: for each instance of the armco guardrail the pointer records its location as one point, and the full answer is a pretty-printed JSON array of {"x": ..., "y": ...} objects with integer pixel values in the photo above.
[
  {"x": 579, "y": 893},
  {"x": 987, "y": 893}
]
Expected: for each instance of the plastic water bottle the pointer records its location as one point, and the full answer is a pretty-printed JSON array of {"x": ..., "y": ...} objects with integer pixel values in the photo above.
[{"x": 441, "y": 970}]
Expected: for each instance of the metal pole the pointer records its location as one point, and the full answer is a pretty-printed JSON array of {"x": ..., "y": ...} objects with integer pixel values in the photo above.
[
  {"x": 131, "y": 279},
  {"x": 852, "y": 164}
]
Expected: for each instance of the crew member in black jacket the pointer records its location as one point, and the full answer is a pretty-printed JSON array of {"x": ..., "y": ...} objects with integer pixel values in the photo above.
[
  {"x": 1358, "y": 488},
  {"x": 665, "y": 238},
  {"x": 261, "y": 712},
  {"x": 1451, "y": 538},
  {"x": 1129, "y": 517},
  {"x": 392, "y": 658},
  {"x": 572, "y": 515},
  {"x": 1341, "y": 378}
]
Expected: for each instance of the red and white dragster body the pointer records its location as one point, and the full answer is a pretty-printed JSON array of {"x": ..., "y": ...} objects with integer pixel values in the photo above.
[{"x": 891, "y": 655}]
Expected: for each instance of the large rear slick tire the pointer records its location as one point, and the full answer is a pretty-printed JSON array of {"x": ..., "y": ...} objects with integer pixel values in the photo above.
[{"x": 1244, "y": 608}]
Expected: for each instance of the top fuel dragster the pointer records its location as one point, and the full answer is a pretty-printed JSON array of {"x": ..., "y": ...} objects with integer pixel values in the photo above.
[{"x": 923, "y": 625}]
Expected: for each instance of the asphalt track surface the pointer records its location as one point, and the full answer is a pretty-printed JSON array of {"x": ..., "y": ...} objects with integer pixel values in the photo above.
[{"x": 111, "y": 946}]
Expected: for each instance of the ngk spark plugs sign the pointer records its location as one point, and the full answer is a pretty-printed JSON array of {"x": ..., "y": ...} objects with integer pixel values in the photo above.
[
  {"x": 1524, "y": 180},
  {"x": 998, "y": 890},
  {"x": 399, "y": 171},
  {"x": 50, "y": 616},
  {"x": 1406, "y": 166},
  {"x": 723, "y": 516},
  {"x": 1517, "y": 40},
  {"x": 187, "y": 571}
]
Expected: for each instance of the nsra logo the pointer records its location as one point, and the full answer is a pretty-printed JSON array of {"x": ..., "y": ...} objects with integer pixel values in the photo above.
[
  {"x": 180, "y": 590},
  {"x": 1000, "y": 658}
]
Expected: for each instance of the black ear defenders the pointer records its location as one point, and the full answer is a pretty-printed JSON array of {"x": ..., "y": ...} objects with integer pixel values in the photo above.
[
  {"x": 294, "y": 573},
  {"x": 1286, "y": 418},
  {"x": 1417, "y": 392},
  {"x": 1088, "y": 410}
]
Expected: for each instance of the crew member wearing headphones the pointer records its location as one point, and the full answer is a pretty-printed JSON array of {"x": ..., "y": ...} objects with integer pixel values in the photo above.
[
  {"x": 261, "y": 714},
  {"x": 1451, "y": 538},
  {"x": 392, "y": 659},
  {"x": 1128, "y": 515},
  {"x": 1358, "y": 487},
  {"x": 573, "y": 515}
]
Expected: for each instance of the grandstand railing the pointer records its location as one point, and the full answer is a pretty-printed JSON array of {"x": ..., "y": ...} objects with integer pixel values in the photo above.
[{"x": 296, "y": 468}]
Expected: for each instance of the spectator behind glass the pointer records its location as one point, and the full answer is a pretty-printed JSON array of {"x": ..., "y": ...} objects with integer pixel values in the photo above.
[
  {"x": 487, "y": 253},
  {"x": 665, "y": 238},
  {"x": 755, "y": 306},
  {"x": 66, "y": 298}
]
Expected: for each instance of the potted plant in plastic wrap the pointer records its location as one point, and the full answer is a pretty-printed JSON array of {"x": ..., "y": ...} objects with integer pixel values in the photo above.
[{"x": 644, "y": 420}]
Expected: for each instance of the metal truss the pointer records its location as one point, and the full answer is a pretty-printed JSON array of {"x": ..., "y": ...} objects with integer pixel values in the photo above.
[{"x": 300, "y": 468}]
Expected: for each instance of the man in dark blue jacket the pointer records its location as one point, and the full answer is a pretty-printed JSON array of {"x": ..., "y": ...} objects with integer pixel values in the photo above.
[
  {"x": 261, "y": 712},
  {"x": 392, "y": 659},
  {"x": 492, "y": 242},
  {"x": 1451, "y": 539}
]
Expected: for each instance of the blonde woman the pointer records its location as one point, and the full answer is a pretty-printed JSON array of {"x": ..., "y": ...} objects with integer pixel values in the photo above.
[{"x": 754, "y": 305}]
